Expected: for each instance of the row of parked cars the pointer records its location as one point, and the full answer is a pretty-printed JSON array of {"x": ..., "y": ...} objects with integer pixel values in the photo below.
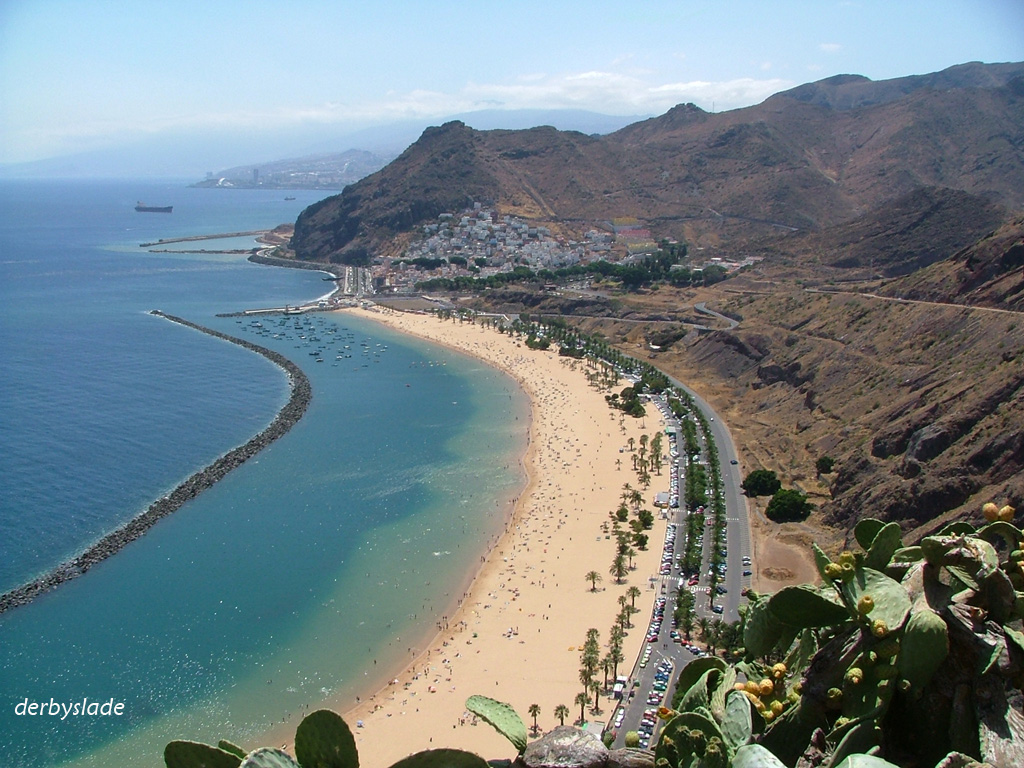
[
  {"x": 657, "y": 617},
  {"x": 655, "y": 699},
  {"x": 668, "y": 552}
]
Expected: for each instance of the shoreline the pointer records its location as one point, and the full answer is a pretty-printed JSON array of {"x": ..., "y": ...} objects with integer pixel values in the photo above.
[
  {"x": 510, "y": 635},
  {"x": 113, "y": 542}
]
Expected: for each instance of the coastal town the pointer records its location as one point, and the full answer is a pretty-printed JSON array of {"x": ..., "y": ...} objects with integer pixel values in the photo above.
[{"x": 481, "y": 242}]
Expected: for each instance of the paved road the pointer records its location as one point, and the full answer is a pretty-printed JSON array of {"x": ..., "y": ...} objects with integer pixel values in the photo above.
[{"x": 663, "y": 652}]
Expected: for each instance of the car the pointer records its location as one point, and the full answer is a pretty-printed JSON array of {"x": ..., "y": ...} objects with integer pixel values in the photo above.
[
  {"x": 748, "y": 573},
  {"x": 734, "y": 462},
  {"x": 717, "y": 608}
]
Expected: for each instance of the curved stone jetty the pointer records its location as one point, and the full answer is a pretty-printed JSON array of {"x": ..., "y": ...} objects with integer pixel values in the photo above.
[{"x": 287, "y": 417}]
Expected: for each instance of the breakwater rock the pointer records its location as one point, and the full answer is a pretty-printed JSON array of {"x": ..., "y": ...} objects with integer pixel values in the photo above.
[{"x": 287, "y": 417}]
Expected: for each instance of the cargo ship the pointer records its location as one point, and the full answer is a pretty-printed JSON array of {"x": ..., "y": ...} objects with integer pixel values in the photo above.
[{"x": 143, "y": 208}]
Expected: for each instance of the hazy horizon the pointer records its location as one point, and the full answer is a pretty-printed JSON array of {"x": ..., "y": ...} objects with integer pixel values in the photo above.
[{"x": 185, "y": 88}]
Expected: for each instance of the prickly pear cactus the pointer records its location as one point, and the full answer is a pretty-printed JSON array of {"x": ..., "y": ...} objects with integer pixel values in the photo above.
[
  {"x": 502, "y": 717},
  {"x": 905, "y": 652},
  {"x": 323, "y": 740},
  {"x": 442, "y": 758},
  {"x": 192, "y": 754},
  {"x": 227, "y": 746},
  {"x": 269, "y": 758}
]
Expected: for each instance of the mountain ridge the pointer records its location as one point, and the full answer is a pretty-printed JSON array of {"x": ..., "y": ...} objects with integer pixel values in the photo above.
[{"x": 691, "y": 174}]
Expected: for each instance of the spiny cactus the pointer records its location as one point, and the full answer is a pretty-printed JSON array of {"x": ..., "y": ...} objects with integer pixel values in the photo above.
[
  {"x": 188, "y": 754},
  {"x": 502, "y": 716},
  {"x": 323, "y": 740},
  {"x": 913, "y": 652},
  {"x": 266, "y": 757}
]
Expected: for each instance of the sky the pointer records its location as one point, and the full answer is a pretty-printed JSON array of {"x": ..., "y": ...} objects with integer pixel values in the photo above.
[{"x": 237, "y": 76}]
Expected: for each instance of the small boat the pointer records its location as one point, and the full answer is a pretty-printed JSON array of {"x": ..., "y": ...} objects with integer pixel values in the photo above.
[
  {"x": 143, "y": 208},
  {"x": 289, "y": 198}
]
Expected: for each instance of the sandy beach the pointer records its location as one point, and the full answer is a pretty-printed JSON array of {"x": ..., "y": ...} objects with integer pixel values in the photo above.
[{"x": 518, "y": 633}]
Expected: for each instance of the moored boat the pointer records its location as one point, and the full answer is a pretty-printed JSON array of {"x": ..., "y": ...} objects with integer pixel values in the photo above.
[{"x": 143, "y": 208}]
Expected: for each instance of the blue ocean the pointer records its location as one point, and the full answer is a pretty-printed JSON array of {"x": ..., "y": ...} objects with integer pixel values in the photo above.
[{"x": 314, "y": 570}]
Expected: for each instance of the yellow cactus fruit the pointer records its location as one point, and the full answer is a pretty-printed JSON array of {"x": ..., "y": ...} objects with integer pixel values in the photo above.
[
  {"x": 879, "y": 628},
  {"x": 777, "y": 707},
  {"x": 739, "y": 686},
  {"x": 848, "y": 572},
  {"x": 666, "y": 714},
  {"x": 865, "y": 605},
  {"x": 755, "y": 700},
  {"x": 854, "y": 675},
  {"x": 778, "y": 670},
  {"x": 847, "y": 558},
  {"x": 834, "y": 571},
  {"x": 1006, "y": 514},
  {"x": 767, "y": 687},
  {"x": 834, "y": 697},
  {"x": 990, "y": 511},
  {"x": 768, "y": 715},
  {"x": 752, "y": 687}
]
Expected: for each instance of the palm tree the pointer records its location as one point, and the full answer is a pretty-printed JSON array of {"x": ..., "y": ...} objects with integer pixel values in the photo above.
[
  {"x": 595, "y": 688},
  {"x": 633, "y": 593},
  {"x": 534, "y": 710},
  {"x": 618, "y": 569},
  {"x": 561, "y": 712},
  {"x": 593, "y": 577},
  {"x": 582, "y": 699},
  {"x": 631, "y": 553},
  {"x": 704, "y": 626}
]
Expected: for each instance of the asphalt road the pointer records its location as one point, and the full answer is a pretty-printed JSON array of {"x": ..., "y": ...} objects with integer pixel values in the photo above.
[{"x": 663, "y": 650}]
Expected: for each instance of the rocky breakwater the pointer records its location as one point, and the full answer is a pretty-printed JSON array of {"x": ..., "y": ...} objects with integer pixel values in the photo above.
[{"x": 287, "y": 417}]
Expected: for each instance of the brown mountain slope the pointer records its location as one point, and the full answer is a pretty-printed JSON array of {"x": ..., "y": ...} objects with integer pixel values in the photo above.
[
  {"x": 789, "y": 161},
  {"x": 855, "y": 377},
  {"x": 988, "y": 273},
  {"x": 905, "y": 234}
]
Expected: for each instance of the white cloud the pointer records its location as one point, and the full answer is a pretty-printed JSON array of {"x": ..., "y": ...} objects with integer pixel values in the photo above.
[
  {"x": 830, "y": 47},
  {"x": 636, "y": 93}
]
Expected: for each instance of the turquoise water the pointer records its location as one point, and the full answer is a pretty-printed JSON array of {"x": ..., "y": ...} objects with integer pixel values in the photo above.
[{"x": 338, "y": 546}]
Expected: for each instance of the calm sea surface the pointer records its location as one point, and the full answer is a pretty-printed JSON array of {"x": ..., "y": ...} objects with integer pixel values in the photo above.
[{"x": 338, "y": 546}]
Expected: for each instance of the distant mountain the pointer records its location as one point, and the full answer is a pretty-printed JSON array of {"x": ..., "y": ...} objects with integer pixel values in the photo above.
[
  {"x": 328, "y": 171},
  {"x": 190, "y": 154},
  {"x": 806, "y": 159}
]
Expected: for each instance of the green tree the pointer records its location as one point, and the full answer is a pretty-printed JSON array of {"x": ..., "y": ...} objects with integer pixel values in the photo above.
[
  {"x": 824, "y": 465},
  {"x": 561, "y": 712},
  {"x": 618, "y": 568},
  {"x": 761, "y": 482},
  {"x": 534, "y": 710},
  {"x": 788, "y": 505},
  {"x": 593, "y": 577},
  {"x": 582, "y": 699},
  {"x": 633, "y": 593}
]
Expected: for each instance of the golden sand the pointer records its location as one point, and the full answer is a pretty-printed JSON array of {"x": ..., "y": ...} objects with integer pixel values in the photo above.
[{"x": 518, "y": 633}]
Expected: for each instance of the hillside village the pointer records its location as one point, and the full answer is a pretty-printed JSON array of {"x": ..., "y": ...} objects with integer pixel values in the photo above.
[{"x": 480, "y": 241}]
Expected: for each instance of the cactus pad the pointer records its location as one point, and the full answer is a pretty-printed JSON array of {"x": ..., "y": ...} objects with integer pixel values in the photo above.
[
  {"x": 755, "y": 756},
  {"x": 234, "y": 749},
  {"x": 502, "y": 717},
  {"x": 925, "y": 646},
  {"x": 892, "y": 604},
  {"x": 888, "y": 539},
  {"x": 737, "y": 725},
  {"x": 805, "y": 607},
  {"x": 192, "y": 754},
  {"x": 269, "y": 758},
  {"x": 442, "y": 758},
  {"x": 323, "y": 740}
]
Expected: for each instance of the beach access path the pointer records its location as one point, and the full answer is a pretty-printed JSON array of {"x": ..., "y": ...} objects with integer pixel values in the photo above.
[{"x": 518, "y": 633}]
